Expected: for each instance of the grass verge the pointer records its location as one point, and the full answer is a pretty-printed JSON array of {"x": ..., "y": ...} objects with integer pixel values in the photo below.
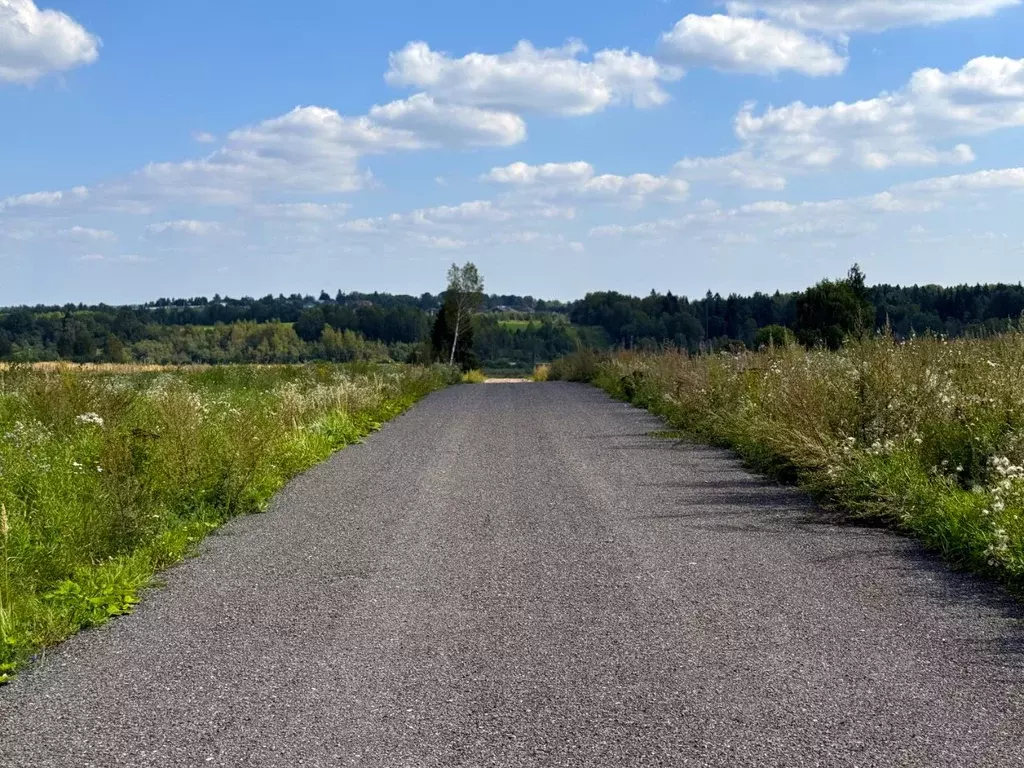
[
  {"x": 108, "y": 477},
  {"x": 926, "y": 436}
]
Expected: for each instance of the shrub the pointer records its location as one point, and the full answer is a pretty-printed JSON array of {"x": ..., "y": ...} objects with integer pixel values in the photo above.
[
  {"x": 580, "y": 366},
  {"x": 541, "y": 373},
  {"x": 475, "y": 376}
]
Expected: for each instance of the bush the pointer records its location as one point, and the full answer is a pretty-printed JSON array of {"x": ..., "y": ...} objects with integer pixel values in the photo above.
[
  {"x": 541, "y": 373},
  {"x": 580, "y": 366},
  {"x": 475, "y": 376},
  {"x": 774, "y": 336}
]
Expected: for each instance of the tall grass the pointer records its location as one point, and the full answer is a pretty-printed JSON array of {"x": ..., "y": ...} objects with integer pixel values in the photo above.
[
  {"x": 108, "y": 476},
  {"x": 926, "y": 435}
]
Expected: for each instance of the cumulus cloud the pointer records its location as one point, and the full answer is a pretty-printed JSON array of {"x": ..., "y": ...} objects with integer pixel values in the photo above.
[
  {"x": 893, "y": 129},
  {"x": 839, "y": 16},
  {"x": 579, "y": 179},
  {"x": 309, "y": 149},
  {"x": 752, "y": 46},
  {"x": 450, "y": 125},
  {"x": 35, "y": 42},
  {"x": 528, "y": 79}
]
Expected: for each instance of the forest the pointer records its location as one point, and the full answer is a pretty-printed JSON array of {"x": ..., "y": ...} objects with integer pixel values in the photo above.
[{"x": 508, "y": 332}]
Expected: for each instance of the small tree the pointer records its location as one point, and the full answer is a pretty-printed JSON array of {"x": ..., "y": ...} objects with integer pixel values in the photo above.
[
  {"x": 773, "y": 336},
  {"x": 464, "y": 296},
  {"x": 834, "y": 310}
]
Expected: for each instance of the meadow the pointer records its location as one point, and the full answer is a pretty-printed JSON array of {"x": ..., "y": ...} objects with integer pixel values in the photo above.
[
  {"x": 925, "y": 435},
  {"x": 109, "y": 474}
]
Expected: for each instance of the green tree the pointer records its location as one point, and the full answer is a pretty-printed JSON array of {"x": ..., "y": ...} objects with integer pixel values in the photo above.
[
  {"x": 834, "y": 310},
  {"x": 773, "y": 336},
  {"x": 114, "y": 350},
  {"x": 454, "y": 325}
]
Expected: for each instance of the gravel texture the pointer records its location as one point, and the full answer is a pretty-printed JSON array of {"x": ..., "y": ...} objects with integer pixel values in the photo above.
[{"x": 522, "y": 576}]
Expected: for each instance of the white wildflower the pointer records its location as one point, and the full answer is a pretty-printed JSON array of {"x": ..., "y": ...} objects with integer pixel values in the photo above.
[{"x": 90, "y": 418}]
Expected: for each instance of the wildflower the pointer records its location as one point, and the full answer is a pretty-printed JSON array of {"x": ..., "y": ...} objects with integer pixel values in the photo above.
[
  {"x": 76, "y": 464},
  {"x": 90, "y": 418}
]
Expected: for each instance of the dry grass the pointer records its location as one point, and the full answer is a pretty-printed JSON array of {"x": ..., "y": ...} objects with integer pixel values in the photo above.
[{"x": 102, "y": 367}]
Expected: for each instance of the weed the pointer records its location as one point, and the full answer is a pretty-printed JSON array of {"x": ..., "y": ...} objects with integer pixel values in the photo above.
[
  {"x": 108, "y": 474},
  {"x": 926, "y": 435}
]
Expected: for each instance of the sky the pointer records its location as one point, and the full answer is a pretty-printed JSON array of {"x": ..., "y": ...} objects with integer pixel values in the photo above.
[{"x": 245, "y": 148}]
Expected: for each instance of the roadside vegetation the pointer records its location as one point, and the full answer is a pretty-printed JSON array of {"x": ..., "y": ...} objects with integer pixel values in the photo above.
[
  {"x": 926, "y": 435},
  {"x": 108, "y": 476}
]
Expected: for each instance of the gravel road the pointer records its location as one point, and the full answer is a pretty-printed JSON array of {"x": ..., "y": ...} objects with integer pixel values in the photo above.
[{"x": 519, "y": 575}]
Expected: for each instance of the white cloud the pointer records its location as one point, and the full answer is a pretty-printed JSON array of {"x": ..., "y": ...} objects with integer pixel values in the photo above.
[
  {"x": 579, "y": 179},
  {"x": 450, "y": 125},
  {"x": 837, "y": 16},
  {"x": 310, "y": 149},
  {"x": 203, "y": 137},
  {"x": 892, "y": 129},
  {"x": 35, "y": 42},
  {"x": 738, "y": 169},
  {"x": 1005, "y": 178},
  {"x": 476, "y": 210},
  {"x": 523, "y": 174},
  {"x": 753, "y": 46},
  {"x": 547, "y": 81},
  {"x": 186, "y": 227},
  {"x": 32, "y": 199},
  {"x": 838, "y": 218},
  {"x": 88, "y": 234},
  {"x": 300, "y": 211}
]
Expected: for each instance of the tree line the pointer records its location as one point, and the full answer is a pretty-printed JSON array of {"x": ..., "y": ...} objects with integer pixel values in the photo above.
[{"x": 502, "y": 331}]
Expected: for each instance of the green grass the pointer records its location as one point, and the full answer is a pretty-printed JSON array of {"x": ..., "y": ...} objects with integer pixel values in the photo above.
[
  {"x": 926, "y": 436},
  {"x": 106, "y": 478}
]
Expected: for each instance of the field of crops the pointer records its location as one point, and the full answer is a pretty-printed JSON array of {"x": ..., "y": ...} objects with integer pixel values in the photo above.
[
  {"x": 927, "y": 435},
  {"x": 108, "y": 474}
]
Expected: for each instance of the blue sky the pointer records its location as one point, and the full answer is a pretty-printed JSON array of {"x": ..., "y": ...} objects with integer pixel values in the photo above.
[{"x": 245, "y": 148}]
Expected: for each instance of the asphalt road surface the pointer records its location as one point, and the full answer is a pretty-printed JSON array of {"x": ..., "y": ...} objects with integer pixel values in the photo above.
[{"x": 520, "y": 575}]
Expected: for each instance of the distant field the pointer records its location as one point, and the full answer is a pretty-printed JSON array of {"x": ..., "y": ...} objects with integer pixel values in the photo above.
[
  {"x": 101, "y": 367},
  {"x": 519, "y": 325},
  {"x": 109, "y": 473}
]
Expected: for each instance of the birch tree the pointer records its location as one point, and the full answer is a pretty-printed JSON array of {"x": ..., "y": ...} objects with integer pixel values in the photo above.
[{"x": 465, "y": 294}]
